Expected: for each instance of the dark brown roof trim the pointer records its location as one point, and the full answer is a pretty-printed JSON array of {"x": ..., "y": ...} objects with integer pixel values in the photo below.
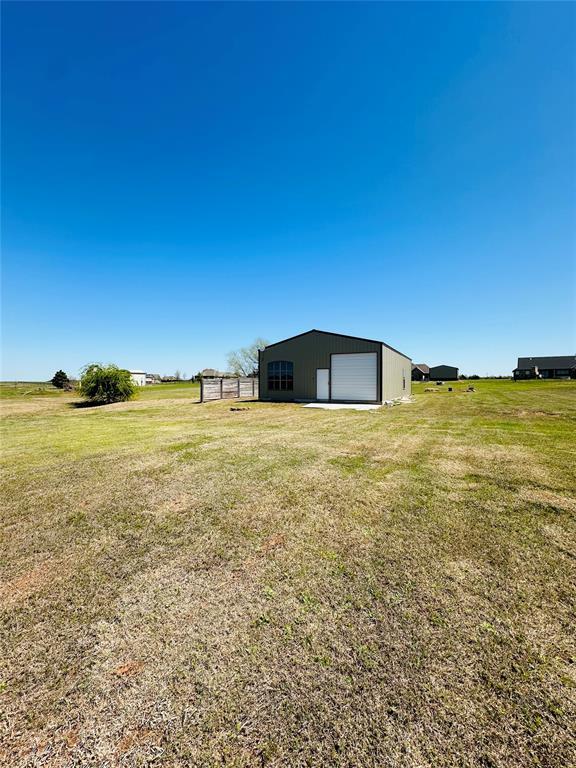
[{"x": 342, "y": 336}]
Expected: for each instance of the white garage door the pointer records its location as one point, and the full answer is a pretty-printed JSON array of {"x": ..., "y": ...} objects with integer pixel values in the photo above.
[{"x": 354, "y": 377}]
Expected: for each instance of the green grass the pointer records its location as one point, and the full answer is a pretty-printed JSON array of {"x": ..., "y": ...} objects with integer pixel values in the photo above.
[
  {"x": 176, "y": 389},
  {"x": 31, "y": 389},
  {"x": 22, "y": 389},
  {"x": 186, "y": 585}
]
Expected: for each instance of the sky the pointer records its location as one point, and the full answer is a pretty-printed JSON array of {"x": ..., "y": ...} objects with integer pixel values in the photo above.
[{"x": 181, "y": 178}]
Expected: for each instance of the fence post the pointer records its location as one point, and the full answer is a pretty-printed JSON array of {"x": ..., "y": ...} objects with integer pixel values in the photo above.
[
  {"x": 221, "y": 389},
  {"x": 202, "y": 390}
]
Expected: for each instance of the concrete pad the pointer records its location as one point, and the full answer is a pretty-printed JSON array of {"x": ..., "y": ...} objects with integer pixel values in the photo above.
[{"x": 343, "y": 406}]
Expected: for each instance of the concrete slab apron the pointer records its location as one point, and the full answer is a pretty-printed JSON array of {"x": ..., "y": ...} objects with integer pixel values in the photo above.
[{"x": 343, "y": 406}]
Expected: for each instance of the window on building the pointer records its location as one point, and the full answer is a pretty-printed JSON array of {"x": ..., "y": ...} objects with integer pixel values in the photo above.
[{"x": 280, "y": 376}]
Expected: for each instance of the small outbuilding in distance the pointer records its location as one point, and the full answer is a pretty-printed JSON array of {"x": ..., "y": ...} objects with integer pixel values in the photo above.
[
  {"x": 443, "y": 373},
  {"x": 422, "y": 372},
  {"x": 332, "y": 367},
  {"x": 138, "y": 378}
]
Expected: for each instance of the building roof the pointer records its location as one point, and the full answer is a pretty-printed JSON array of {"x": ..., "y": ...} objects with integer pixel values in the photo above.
[
  {"x": 144, "y": 372},
  {"x": 342, "y": 336},
  {"x": 444, "y": 365},
  {"x": 421, "y": 367},
  {"x": 562, "y": 361}
]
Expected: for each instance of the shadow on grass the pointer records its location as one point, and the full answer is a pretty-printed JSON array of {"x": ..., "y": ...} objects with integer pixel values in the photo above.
[{"x": 86, "y": 404}]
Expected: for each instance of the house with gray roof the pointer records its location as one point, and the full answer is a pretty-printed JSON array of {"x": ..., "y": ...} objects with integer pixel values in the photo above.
[
  {"x": 420, "y": 372},
  {"x": 559, "y": 367}
]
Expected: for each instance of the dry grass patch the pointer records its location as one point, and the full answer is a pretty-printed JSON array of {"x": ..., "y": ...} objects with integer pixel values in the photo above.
[{"x": 546, "y": 498}]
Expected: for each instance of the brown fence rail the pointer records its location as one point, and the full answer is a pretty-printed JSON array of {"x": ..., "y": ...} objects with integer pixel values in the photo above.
[{"x": 227, "y": 389}]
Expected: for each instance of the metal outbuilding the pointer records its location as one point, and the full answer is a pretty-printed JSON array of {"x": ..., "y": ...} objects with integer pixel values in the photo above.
[
  {"x": 443, "y": 373},
  {"x": 332, "y": 367}
]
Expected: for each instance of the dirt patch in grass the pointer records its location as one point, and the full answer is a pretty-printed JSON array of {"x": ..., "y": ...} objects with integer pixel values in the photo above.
[{"x": 21, "y": 587}]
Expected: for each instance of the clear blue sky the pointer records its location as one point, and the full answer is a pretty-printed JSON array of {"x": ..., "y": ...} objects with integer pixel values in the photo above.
[{"x": 179, "y": 178}]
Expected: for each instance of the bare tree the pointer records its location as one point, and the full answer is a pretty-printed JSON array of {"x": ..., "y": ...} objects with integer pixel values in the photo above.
[
  {"x": 177, "y": 375},
  {"x": 244, "y": 362}
]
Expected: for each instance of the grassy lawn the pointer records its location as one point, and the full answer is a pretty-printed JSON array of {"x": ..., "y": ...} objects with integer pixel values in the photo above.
[
  {"x": 27, "y": 389},
  {"x": 186, "y": 585}
]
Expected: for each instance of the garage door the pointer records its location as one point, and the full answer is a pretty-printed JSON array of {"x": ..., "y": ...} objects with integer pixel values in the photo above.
[{"x": 354, "y": 377}]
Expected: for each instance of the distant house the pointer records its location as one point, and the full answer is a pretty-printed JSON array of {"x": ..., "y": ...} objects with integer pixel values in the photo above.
[
  {"x": 420, "y": 372},
  {"x": 213, "y": 373},
  {"x": 139, "y": 378},
  {"x": 562, "y": 367},
  {"x": 443, "y": 373},
  {"x": 153, "y": 378}
]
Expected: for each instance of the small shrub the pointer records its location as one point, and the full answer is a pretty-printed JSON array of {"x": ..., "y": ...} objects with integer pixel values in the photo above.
[
  {"x": 106, "y": 384},
  {"x": 60, "y": 380}
]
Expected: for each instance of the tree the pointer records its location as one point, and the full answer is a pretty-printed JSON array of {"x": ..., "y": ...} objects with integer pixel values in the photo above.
[
  {"x": 244, "y": 362},
  {"x": 177, "y": 375},
  {"x": 60, "y": 379},
  {"x": 106, "y": 384}
]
